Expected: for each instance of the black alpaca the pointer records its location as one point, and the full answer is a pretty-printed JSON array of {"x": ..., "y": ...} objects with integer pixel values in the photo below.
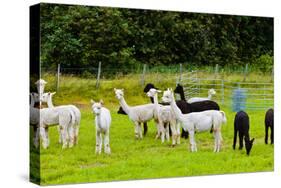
[
  {"x": 242, "y": 126},
  {"x": 268, "y": 122},
  {"x": 186, "y": 107}
]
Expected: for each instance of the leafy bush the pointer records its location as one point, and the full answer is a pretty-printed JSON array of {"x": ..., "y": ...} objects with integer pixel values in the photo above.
[{"x": 265, "y": 63}]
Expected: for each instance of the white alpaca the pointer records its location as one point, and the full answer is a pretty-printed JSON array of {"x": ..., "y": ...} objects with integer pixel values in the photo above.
[
  {"x": 102, "y": 121},
  {"x": 65, "y": 118},
  {"x": 198, "y": 121},
  {"x": 211, "y": 92},
  {"x": 165, "y": 116},
  {"x": 34, "y": 116},
  {"x": 47, "y": 97},
  {"x": 40, "y": 84},
  {"x": 137, "y": 114},
  {"x": 54, "y": 116}
]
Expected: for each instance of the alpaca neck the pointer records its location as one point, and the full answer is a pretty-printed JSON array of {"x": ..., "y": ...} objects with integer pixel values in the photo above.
[
  {"x": 98, "y": 120},
  {"x": 176, "y": 110},
  {"x": 50, "y": 102},
  {"x": 156, "y": 104},
  {"x": 209, "y": 96},
  {"x": 124, "y": 105},
  {"x": 182, "y": 95}
]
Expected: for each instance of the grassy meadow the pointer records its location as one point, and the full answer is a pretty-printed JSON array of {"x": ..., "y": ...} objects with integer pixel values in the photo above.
[{"x": 146, "y": 158}]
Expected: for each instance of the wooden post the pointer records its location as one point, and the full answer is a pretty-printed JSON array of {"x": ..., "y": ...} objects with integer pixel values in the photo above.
[
  {"x": 98, "y": 76},
  {"x": 58, "y": 77},
  {"x": 245, "y": 72},
  {"x": 222, "y": 91},
  {"x": 143, "y": 75},
  {"x": 216, "y": 74},
  {"x": 216, "y": 70},
  {"x": 180, "y": 76}
]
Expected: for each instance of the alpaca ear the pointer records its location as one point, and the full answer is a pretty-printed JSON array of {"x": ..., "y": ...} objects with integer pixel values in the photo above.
[
  {"x": 159, "y": 91},
  {"x": 101, "y": 101},
  {"x": 53, "y": 93},
  {"x": 92, "y": 101},
  {"x": 253, "y": 139}
]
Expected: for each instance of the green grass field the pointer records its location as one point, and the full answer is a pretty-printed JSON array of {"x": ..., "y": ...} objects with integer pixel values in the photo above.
[{"x": 140, "y": 159}]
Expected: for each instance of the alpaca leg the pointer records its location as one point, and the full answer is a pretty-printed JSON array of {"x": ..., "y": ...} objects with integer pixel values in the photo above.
[
  {"x": 266, "y": 134},
  {"x": 272, "y": 134},
  {"x": 76, "y": 132},
  {"x": 60, "y": 137},
  {"x": 184, "y": 134},
  {"x": 97, "y": 142},
  {"x": 174, "y": 133},
  {"x": 217, "y": 140},
  {"x": 192, "y": 141},
  {"x": 144, "y": 128},
  {"x": 158, "y": 134},
  {"x": 43, "y": 137},
  {"x": 140, "y": 130},
  {"x": 235, "y": 138},
  {"x": 240, "y": 140},
  {"x": 178, "y": 133},
  {"x": 100, "y": 146},
  {"x": 71, "y": 134},
  {"x": 106, "y": 143},
  {"x": 136, "y": 130},
  {"x": 64, "y": 135},
  {"x": 47, "y": 136},
  {"x": 36, "y": 137},
  {"x": 167, "y": 132},
  {"x": 162, "y": 132}
]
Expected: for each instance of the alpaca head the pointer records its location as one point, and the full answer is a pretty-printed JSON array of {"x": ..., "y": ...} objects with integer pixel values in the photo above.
[
  {"x": 148, "y": 87},
  {"x": 119, "y": 93},
  {"x": 168, "y": 96},
  {"x": 96, "y": 106},
  {"x": 34, "y": 97},
  {"x": 212, "y": 92},
  {"x": 179, "y": 89},
  {"x": 46, "y": 97},
  {"x": 152, "y": 92},
  {"x": 40, "y": 85},
  {"x": 249, "y": 145}
]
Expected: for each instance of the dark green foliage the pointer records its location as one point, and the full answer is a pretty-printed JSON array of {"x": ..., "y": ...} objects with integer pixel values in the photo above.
[{"x": 81, "y": 36}]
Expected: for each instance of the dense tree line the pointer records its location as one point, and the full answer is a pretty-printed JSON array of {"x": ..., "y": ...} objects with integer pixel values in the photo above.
[{"x": 81, "y": 36}]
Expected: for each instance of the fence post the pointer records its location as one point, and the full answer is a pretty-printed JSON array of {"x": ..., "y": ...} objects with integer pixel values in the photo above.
[
  {"x": 245, "y": 72},
  {"x": 143, "y": 75},
  {"x": 180, "y": 76},
  {"x": 98, "y": 75},
  {"x": 216, "y": 70},
  {"x": 216, "y": 74},
  {"x": 222, "y": 91},
  {"x": 58, "y": 77}
]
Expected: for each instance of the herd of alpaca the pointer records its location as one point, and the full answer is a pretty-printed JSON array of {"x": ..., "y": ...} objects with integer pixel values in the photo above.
[
  {"x": 67, "y": 117},
  {"x": 194, "y": 115}
]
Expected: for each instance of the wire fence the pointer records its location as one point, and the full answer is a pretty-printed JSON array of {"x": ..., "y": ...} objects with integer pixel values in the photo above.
[{"x": 259, "y": 94}]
